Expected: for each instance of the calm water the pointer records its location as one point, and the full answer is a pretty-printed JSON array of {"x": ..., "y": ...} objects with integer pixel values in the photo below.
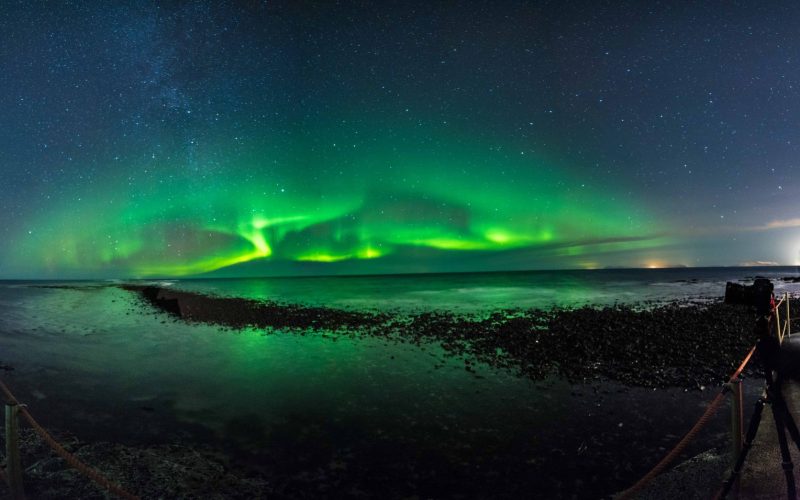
[
  {"x": 96, "y": 362},
  {"x": 485, "y": 291}
]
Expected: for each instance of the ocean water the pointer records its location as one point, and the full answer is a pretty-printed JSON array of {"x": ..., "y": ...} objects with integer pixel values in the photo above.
[
  {"x": 490, "y": 291},
  {"x": 354, "y": 413}
]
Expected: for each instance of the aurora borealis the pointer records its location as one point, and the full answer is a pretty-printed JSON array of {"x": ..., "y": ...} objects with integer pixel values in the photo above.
[{"x": 144, "y": 139}]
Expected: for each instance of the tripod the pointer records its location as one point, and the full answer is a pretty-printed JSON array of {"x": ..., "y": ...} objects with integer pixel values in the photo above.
[{"x": 769, "y": 351}]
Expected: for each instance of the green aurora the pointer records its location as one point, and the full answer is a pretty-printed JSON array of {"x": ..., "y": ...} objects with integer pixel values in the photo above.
[
  {"x": 229, "y": 139},
  {"x": 329, "y": 204},
  {"x": 243, "y": 147}
]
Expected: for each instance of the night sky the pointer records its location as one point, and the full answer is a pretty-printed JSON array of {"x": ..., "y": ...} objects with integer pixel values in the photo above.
[{"x": 143, "y": 139}]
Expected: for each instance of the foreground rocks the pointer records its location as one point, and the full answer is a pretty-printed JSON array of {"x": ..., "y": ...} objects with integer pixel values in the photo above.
[
  {"x": 164, "y": 471},
  {"x": 681, "y": 344}
]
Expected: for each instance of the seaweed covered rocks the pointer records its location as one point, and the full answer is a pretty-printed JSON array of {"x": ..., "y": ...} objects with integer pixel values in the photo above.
[
  {"x": 672, "y": 345},
  {"x": 669, "y": 346},
  {"x": 675, "y": 345}
]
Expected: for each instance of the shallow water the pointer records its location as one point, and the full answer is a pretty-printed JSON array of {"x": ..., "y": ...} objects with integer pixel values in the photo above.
[{"x": 348, "y": 412}]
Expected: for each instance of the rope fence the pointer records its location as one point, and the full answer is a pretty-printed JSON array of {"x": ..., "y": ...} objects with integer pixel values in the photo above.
[
  {"x": 713, "y": 406},
  {"x": 68, "y": 457},
  {"x": 701, "y": 422}
]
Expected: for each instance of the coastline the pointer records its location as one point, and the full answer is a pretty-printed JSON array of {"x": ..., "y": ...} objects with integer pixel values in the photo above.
[
  {"x": 579, "y": 345},
  {"x": 682, "y": 344},
  {"x": 596, "y": 388}
]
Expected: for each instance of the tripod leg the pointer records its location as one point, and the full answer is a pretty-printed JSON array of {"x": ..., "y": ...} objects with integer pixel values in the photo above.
[
  {"x": 779, "y": 404},
  {"x": 752, "y": 429},
  {"x": 792, "y": 427},
  {"x": 786, "y": 457}
]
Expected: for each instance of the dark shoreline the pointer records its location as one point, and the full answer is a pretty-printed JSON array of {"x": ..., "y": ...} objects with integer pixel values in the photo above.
[
  {"x": 173, "y": 470},
  {"x": 681, "y": 344},
  {"x": 605, "y": 360}
]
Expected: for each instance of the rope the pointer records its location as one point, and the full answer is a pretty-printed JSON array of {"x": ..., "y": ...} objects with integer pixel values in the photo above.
[
  {"x": 701, "y": 422},
  {"x": 71, "y": 459},
  {"x": 742, "y": 365}
]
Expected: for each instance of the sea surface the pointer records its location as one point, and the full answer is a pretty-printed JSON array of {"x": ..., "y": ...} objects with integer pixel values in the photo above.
[
  {"x": 350, "y": 414},
  {"x": 469, "y": 292}
]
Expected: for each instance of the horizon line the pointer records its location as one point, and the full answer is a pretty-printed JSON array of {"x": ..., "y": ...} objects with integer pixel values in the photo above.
[{"x": 357, "y": 275}]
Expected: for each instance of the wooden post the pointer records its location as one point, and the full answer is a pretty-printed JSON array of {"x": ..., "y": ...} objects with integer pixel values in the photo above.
[
  {"x": 13, "y": 464},
  {"x": 737, "y": 423}
]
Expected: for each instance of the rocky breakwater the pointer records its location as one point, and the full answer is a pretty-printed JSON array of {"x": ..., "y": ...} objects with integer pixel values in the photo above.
[
  {"x": 241, "y": 313},
  {"x": 681, "y": 344}
]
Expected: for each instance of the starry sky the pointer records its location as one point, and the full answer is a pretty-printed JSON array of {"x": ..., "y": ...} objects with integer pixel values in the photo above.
[{"x": 159, "y": 139}]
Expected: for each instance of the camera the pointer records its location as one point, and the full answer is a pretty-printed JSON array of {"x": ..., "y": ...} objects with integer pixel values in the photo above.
[
  {"x": 758, "y": 295},
  {"x": 780, "y": 361}
]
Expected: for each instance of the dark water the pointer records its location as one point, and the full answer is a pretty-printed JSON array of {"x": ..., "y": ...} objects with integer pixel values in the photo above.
[
  {"x": 486, "y": 291},
  {"x": 354, "y": 414}
]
